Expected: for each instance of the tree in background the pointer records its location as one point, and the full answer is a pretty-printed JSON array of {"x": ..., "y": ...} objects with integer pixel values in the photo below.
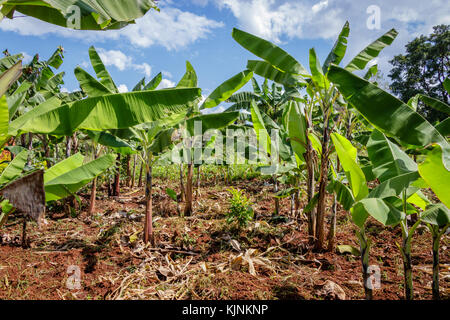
[{"x": 423, "y": 69}]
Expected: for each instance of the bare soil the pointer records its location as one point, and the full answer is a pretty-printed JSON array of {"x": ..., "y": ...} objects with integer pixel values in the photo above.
[{"x": 195, "y": 257}]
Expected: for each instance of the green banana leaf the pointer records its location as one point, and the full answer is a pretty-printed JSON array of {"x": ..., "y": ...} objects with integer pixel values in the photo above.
[
  {"x": 189, "y": 79},
  {"x": 227, "y": 89},
  {"x": 108, "y": 140},
  {"x": 436, "y": 214},
  {"x": 339, "y": 49},
  {"x": 296, "y": 127},
  {"x": 89, "y": 84},
  {"x": 372, "y": 51},
  {"x": 394, "y": 186},
  {"x": 436, "y": 175},
  {"x": 387, "y": 158},
  {"x": 73, "y": 178},
  {"x": 95, "y": 14},
  {"x": 262, "y": 135},
  {"x": 8, "y": 77},
  {"x": 267, "y": 71},
  {"x": 387, "y": 113},
  {"x": 101, "y": 71},
  {"x": 115, "y": 111},
  {"x": 347, "y": 155},
  {"x": 269, "y": 52},
  {"x": 318, "y": 77},
  {"x": 379, "y": 209},
  {"x": 435, "y": 104},
  {"x": 154, "y": 83}
]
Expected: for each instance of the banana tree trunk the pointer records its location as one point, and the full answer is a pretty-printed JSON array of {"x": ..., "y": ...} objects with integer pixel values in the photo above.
[
  {"x": 275, "y": 190},
  {"x": 435, "y": 285},
  {"x": 117, "y": 178},
  {"x": 364, "y": 243},
  {"x": 128, "y": 181},
  {"x": 68, "y": 146},
  {"x": 310, "y": 187},
  {"x": 188, "y": 195},
  {"x": 321, "y": 204},
  {"x": 332, "y": 232},
  {"x": 148, "y": 227},
  {"x": 181, "y": 183},
  {"x": 140, "y": 176},
  {"x": 30, "y": 147},
  {"x": 133, "y": 177},
  {"x": 93, "y": 191}
]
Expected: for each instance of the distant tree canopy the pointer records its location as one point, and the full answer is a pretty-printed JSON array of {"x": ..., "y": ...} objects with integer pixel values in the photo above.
[{"x": 423, "y": 69}]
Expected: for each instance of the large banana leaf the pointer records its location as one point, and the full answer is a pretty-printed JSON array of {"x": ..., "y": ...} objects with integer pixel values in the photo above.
[
  {"x": 211, "y": 121},
  {"x": 108, "y": 140},
  {"x": 387, "y": 158},
  {"x": 387, "y": 113},
  {"x": 73, "y": 178},
  {"x": 444, "y": 127},
  {"x": 436, "y": 175},
  {"x": 226, "y": 89},
  {"x": 316, "y": 70},
  {"x": 435, "y": 104},
  {"x": 394, "y": 186},
  {"x": 4, "y": 121},
  {"x": 10, "y": 76},
  {"x": 115, "y": 111},
  {"x": 372, "y": 51},
  {"x": 9, "y": 61},
  {"x": 89, "y": 84},
  {"x": 101, "y": 71},
  {"x": 261, "y": 132},
  {"x": 14, "y": 168},
  {"x": 437, "y": 214},
  {"x": 189, "y": 79},
  {"x": 95, "y": 14},
  {"x": 347, "y": 155},
  {"x": 17, "y": 98},
  {"x": 267, "y": 71},
  {"x": 339, "y": 49},
  {"x": 296, "y": 127},
  {"x": 343, "y": 194},
  {"x": 381, "y": 210},
  {"x": 269, "y": 52},
  {"x": 47, "y": 106},
  {"x": 154, "y": 83}
]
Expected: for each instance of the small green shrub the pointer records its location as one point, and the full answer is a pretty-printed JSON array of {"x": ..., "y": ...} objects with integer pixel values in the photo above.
[{"x": 240, "y": 208}]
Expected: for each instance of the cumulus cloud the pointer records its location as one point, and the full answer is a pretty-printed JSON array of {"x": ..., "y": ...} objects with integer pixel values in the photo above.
[
  {"x": 165, "y": 83},
  {"x": 283, "y": 21},
  {"x": 171, "y": 28},
  {"x": 121, "y": 61},
  {"x": 122, "y": 88}
]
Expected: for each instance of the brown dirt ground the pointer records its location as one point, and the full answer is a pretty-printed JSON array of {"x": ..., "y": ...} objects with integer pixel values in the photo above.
[{"x": 193, "y": 257}]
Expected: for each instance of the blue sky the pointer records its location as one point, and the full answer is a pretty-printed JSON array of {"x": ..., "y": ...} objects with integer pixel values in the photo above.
[{"x": 200, "y": 31}]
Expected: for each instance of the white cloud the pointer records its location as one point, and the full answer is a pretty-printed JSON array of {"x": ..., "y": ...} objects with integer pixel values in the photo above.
[
  {"x": 171, "y": 28},
  {"x": 26, "y": 57},
  {"x": 167, "y": 74},
  {"x": 121, "y": 61},
  {"x": 286, "y": 20},
  {"x": 122, "y": 88},
  {"x": 166, "y": 84}
]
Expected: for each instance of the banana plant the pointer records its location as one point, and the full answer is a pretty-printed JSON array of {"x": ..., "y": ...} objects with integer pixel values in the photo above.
[
  {"x": 391, "y": 201},
  {"x": 92, "y": 14},
  {"x": 280, "y": 67}
]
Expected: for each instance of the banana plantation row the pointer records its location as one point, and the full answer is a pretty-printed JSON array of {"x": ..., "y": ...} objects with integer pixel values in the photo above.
[{"x": 336, "y": 133}]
